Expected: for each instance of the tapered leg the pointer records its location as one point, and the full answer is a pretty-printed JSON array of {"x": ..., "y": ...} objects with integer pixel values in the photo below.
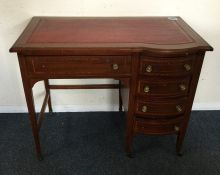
[
  {"x": 33, "y": 119},
  {"x": 132, "y": 86},
  {"x": 179, "y": 142},
  {"x": 129, "y": 145},
  {"x": 129, "y": 136},
  {"x": 180, "y": 137},
  {"x": 28, "y": 84},
  {"x": 46, "y": 84},
  {"x": 120, "y": 98}
]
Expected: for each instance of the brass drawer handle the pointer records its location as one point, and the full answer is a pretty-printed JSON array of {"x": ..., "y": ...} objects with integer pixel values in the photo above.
[
  {"x": 144, "y": 109},
  {"x": 176, "y": 128},
  {"x": 146, "y": 89},
  {"x": 148, "y": 69},
  {"x": 187, "y": 67},
  {"x": 115, "y": 67},
  {"x": 179, "y": 108},
  {"x": 182, "y": 87}
]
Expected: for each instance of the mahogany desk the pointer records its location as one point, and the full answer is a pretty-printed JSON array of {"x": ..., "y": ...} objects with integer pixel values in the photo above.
[{"x": 157, "y": 61}]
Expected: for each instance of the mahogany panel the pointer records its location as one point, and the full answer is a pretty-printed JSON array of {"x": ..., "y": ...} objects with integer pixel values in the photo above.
[
  {"x": 158, "y": 127},
  {"x": 165, "y": 87},
  {"x": 166, "y": 66},
  {"x": 80, "y": 65},
  {"x": 156, "y": 109}
]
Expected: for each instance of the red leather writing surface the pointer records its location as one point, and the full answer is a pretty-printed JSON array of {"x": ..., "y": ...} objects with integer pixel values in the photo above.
[{"x": 90, "y": 30}]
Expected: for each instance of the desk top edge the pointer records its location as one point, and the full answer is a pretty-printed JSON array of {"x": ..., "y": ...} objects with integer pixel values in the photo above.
[{"x": 22, "y": 46}]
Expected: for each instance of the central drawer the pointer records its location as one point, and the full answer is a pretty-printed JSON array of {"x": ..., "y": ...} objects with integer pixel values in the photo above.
[{"x": 80, "y": 65}]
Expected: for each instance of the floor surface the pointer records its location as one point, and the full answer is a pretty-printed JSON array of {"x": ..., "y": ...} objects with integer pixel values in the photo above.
[{"x": 93, "y": 143}]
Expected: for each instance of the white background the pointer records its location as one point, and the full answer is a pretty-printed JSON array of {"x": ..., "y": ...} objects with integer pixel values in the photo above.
[{"x": 202, "y": 15}]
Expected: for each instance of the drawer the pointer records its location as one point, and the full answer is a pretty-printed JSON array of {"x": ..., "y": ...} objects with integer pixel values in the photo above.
[
  {"x": 166, "y": 66},
  {"x": 153, "y": 127},
  {"x": 161, "y": 109},
  {"x": 164, "y": 87},
  {"x": 80, "y": 65}
]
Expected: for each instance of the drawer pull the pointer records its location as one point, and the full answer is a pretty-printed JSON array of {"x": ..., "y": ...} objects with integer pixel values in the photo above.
[
  {"x": 43, "y": 66},
  {"x": 148, "y": 69},
  {"x": 176, "y": 128},
  {"x": 144, "y": 109},
  {"x": 179, "y": 108},
  {"x": 187, "y": 67},
  {"x": 115, "y": 66},
  {"x": 182, "y": 87},
  {"x": 146, "y": 89}
]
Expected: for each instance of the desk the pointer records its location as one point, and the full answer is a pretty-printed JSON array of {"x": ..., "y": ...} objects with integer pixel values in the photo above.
[{"x": 157, "y": 61}]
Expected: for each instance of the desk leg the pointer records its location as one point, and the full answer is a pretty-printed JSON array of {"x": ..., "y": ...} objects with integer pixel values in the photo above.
[
  {"x": 120, "y": 98},
  {"x": 130, "y": 135},
  {"x": 179, "y": 143},
  {"x": 28, "y": 84},
  {"x": 132, "y": 86},
  {"x": 32, "y": 117},
  {"x": 130, "y": 127},
  {"x": 46, "y": 84}
]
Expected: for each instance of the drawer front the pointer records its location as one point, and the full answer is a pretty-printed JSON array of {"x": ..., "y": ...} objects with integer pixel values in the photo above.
[
  {"x": 166, "y": 66},
  {"x": 165, "y": 109},
  {"x": 165, "y": 87},
  {"x": 153, "y": 127},
  {"x": 80, "y": 65}
]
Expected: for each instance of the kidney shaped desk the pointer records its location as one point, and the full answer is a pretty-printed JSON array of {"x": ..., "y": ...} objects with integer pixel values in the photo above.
[{"x": 157, "y": 61}]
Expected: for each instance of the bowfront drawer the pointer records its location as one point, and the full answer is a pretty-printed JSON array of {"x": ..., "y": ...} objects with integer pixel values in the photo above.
[
  {"x": 166, "y": 66},
  {"x": 80, "y": 65},
  {"x": 148, "y": 126},
  {"x": 164, "y": 87},
  {"x": 164, "y": 109}
]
